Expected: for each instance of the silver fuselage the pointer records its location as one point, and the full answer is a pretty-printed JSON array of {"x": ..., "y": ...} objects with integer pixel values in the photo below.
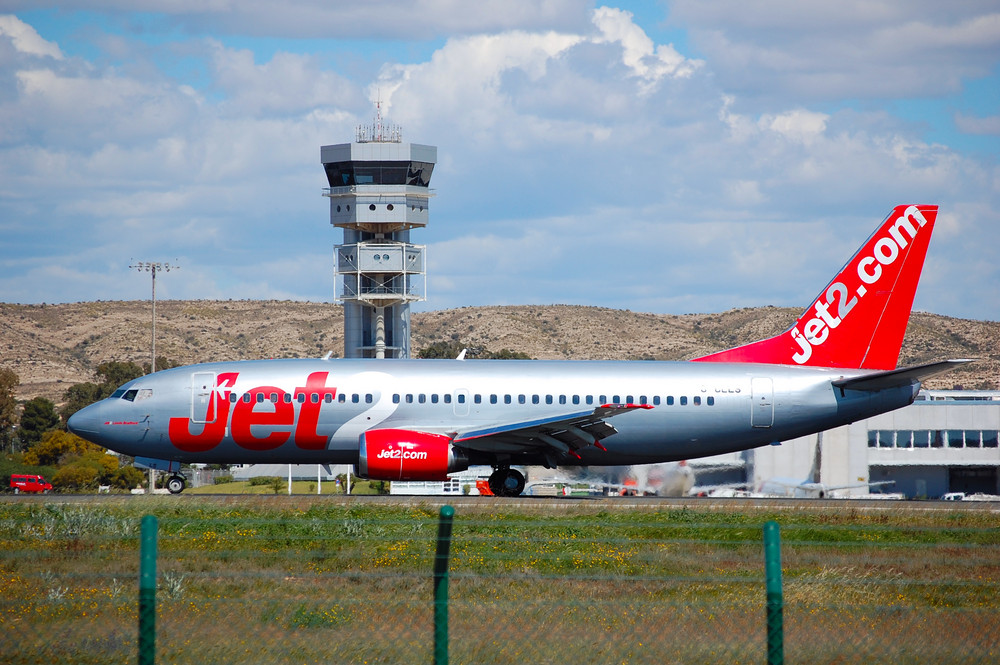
[{"x": 699, "y": 409}]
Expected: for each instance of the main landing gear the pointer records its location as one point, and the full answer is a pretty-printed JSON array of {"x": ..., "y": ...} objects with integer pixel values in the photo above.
[
  {"x": 176, "y": 484},
  {"x": 506, "y": 481}
]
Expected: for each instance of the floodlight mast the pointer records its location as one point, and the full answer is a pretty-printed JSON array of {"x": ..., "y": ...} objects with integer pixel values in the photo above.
[{"x": 152, "y": 267}]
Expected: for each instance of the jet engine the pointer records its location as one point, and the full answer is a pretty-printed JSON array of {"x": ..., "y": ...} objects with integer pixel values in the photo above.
[{"x": 399, "y": 454}]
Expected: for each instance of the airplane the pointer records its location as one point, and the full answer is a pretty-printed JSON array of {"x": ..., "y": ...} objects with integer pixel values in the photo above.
[
  {"x": 402, "y": 419},
  {"x": 809, "y": 489}
]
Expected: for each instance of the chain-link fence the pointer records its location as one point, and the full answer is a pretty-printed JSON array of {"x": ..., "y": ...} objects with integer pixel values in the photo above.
[{"x": 304, "y": 581}]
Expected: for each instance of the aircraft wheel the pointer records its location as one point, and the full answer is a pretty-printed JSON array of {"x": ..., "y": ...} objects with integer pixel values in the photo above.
[
  {"x": 506, "y": 482},
  {"x": 176, "y": 484}
]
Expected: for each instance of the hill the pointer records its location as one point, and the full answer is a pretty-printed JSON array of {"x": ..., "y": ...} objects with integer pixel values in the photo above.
[{"x": 54, "y": 346}]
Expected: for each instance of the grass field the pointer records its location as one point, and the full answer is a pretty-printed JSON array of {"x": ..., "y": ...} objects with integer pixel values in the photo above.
[{"x": 278, "y": 579}]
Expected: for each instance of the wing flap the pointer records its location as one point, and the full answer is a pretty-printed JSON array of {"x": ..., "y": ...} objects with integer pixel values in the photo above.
[{"x": 561, "y": 433}]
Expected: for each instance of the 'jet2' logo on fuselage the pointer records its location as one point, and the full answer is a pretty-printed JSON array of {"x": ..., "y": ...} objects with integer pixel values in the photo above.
[{"x": 279, "y": 419}]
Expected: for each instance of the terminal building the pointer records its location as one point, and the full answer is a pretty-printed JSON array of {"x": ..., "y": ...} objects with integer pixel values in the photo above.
[{"x": 946, "y": 441}]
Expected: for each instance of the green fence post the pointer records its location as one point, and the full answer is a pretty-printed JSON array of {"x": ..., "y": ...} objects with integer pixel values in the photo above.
[
  {"x": 441, "y": 586},
  {"x": 775, "y": 602},
  {"x": 147, "y": 592}
]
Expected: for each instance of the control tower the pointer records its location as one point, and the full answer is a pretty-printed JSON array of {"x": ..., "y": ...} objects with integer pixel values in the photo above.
[{"x": 379, "y": 191}]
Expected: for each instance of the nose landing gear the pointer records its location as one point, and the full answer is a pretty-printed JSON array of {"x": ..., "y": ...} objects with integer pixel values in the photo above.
[
  {"x": 176, "y": 484},
  {"x": 505, "y": 481}
]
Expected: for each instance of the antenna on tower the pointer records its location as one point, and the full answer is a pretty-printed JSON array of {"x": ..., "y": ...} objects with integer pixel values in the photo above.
[{"x": 377, "y": 132}]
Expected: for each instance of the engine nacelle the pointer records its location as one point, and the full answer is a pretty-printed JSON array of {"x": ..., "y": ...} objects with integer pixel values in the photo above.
[{"x": 399, "y": 454}]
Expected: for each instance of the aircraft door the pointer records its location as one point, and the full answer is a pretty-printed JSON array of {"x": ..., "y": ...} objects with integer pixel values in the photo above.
[
  {"x": 202, "y": 389},
  {"x": 762, "y": 396}
]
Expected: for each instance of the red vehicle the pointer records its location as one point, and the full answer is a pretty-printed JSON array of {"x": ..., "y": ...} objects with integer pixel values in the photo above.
[{"x": 27, "y": 483}]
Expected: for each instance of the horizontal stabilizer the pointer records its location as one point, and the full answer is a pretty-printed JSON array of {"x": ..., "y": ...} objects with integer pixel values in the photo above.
[{"x": 899, "y": 377}]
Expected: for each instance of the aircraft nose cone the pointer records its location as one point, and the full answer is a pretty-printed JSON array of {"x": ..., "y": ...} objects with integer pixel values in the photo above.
[{"x": 86, "y": 421}]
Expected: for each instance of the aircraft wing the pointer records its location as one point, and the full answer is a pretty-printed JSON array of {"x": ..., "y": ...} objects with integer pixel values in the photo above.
[
  {"x": 559, "y": 434},
  {"x": 895, "y": 378}
]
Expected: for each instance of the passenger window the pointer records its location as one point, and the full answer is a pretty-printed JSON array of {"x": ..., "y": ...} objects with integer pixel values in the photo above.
[
  {"x": 447, "y": 398},
  {"x": 576, "y": 399},
  {"x": 522, "y": 399},
  {"x": 684, "y": 401},
  {"x": 710, "y": 401},
  {"x": 461, "y": 398},
  {"x": 506, "y": 399},
  {"x": 395, "y": 399},
  {"x": 326, "y": 398},
  {"x": 369, "y": 398},
  {"x": 409, "y": 398},
  {"x": 342, "y": 397},
  {"x": 314, "y": 398},
  {"x": 232, "y": 398},
  {"x": 274, "y": 398},
  {"x": 260, "y": 398},
  {"x": 562, "y": 399},
  {"x": 246, "y": 398},
  {"x": 656, "y": 400},
  {"x": 300, "y": 398},
  {"x": 642, "y": 399},
  {"x": 493, "y": 399},
  {"x": 617, "y": 399},
  {"x": 603, "y": 399},
  {"x": 355, "y": 398},
  {"x": 629, "y": 399},
  {"x": 434, "y": 398},
  {"x": 534, "y": 399},
  {"x": 422, "y": 398},
  {"x": 590, "y": 399},
  {"x": 697, "y": 400},
  {"x": 670, "y": 400}
]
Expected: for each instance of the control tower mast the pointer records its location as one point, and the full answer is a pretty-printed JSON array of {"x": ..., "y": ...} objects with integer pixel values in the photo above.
[{"x": 379, "y": 190}]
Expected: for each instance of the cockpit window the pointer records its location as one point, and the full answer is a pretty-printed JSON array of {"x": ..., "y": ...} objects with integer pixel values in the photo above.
[
  {"x": 144, "y": 393},
  {"x": 118, "y": 393},
  {"x": 130, "y": 395}
]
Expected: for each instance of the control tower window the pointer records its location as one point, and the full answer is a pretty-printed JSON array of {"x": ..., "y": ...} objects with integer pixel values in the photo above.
[{"x": 348, "y": 174}]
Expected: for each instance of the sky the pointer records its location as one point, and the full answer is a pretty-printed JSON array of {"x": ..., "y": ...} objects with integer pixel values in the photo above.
[{"x": 669, "y": 157}]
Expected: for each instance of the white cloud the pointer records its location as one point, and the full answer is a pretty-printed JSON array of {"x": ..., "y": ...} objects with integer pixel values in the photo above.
[
  {"x": 830, "y": 49},
  {"x": 988, "y": 125},
  {"x": 586, "y": 163},
  {"x": 26, "y": 39}
]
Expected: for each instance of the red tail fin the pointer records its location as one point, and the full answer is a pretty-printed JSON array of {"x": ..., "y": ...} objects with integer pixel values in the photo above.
[{"x": 859, "y": 319}]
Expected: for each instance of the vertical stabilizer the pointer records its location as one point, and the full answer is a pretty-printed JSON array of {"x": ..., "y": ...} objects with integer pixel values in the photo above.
[{"x": 859, "y": 319}]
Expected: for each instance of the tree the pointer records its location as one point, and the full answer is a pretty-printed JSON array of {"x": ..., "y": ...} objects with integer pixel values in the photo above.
[
  {"x": 37, "y": 418},
  {"x": 57, "y": 444},
  {"x": 113, "y": 374},
  {"x": 78, "y": 396},
  {"x": 9, "y": 381}
]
